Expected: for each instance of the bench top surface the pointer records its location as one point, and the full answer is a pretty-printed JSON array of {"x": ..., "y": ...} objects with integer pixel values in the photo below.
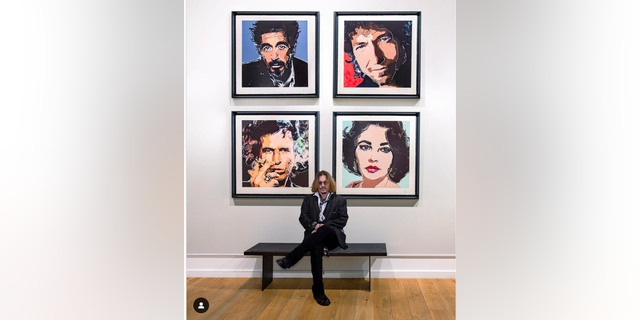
[{"x": 355, "y": 249}]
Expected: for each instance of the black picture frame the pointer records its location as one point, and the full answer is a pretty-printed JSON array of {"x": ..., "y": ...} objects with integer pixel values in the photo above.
[
  {"x": 401, "y": 79},
  {"x": 249, "y": 128},
  {"x": 397, "y": 177},
  {"x": 304, "y": 84}
]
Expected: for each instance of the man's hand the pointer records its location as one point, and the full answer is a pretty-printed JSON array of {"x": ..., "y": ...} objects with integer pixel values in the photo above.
[
  {"x": 263, "y": 176},
  {"x": 317, "y": 227}
]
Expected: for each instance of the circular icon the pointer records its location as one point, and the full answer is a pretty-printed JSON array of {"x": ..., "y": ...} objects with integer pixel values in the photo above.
[{"x": 201, "y": 305}]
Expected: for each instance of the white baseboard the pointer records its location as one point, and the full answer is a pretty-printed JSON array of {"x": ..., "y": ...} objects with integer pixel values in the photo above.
[{"x": 240, "y": 266}]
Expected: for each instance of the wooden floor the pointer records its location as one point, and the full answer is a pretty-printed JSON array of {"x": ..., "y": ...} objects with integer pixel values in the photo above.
[{"x": 291, "y": 298}]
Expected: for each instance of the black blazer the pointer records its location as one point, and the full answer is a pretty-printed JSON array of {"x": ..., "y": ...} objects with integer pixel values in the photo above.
[{"x": 335, "y": 214}]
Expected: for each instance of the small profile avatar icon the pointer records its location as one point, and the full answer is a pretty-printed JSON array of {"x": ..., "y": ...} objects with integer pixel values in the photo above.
[{"x": 201, "y": 305}]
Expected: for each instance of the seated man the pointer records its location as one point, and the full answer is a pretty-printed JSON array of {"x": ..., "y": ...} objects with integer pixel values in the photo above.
[{"x": 323, "y": 215}]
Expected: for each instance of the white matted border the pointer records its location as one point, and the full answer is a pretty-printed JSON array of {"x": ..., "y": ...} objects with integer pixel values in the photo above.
[
  {"x": 238, "y": 118},
  {"x": 339, "y": 118},
  {"x": 341, "y": 90},
  {"x": 311, "y": 48}
]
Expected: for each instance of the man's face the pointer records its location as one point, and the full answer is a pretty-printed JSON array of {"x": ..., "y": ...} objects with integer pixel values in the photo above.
[
  {"x": 376, "y": 52},
  {"x": 278, "y": 148},
  {"x": 275, "y": 51},
  {"x": 323, "y": 188}
]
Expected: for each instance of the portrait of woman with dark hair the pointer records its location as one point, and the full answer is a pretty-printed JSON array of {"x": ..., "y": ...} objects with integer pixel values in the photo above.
[{"x": 377, "y": 151}]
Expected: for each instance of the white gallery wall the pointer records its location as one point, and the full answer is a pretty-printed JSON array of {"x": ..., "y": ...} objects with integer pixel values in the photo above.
[{"x": 420, "y": 234}]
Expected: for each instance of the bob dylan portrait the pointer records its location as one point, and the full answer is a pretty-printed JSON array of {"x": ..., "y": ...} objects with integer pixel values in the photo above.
[
  {"x": 378, "y": 54},
  {"x": 377, "y": 151},
  {"x": 275, "y": 153}
]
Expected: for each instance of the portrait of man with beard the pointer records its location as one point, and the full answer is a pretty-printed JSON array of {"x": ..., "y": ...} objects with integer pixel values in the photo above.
[{"x": 277, "y": 65}]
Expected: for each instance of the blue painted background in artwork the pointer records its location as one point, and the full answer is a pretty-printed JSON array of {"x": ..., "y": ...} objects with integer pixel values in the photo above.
[{"x": 250, "y": 53}]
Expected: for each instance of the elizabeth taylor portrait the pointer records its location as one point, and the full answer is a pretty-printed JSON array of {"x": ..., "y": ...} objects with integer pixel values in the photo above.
[{"x": 377, "y": 154}]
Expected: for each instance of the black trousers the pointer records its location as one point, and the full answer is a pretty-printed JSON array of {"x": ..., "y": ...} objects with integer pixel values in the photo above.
[{"x": 315, "y": 243}]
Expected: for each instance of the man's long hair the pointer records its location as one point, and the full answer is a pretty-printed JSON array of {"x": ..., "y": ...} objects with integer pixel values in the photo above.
[{"x": 331, "y": 187}]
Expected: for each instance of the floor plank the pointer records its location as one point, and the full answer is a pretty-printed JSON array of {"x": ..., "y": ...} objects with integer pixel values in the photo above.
[
  {"x": 273, "y": 309},
  {"x": 298, "y": 298},
  {"x": 199, "y": 287},
  {"x": 446, "y": 295},
  {"x": 221, "y": 294},
  {"x": 348, "y": 299},
  {"x": 452, "y": 285},
  {"x": 364, "y": 304},
  {"x": 223, "y": 299},
  {"x": 437, "y": 310},
  {"x": 399, "y": 303},
  {"x": 417, "y": 304},
  {"x": 291, "y": 298},
  {"x": 309, "y": 308},
  {"x": 251, "y": 304},
  {"x": 382, "y": 300}
]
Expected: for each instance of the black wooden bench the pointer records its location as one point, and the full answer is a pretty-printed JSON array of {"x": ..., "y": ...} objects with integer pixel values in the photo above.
[{"x": 269, "y": 249}]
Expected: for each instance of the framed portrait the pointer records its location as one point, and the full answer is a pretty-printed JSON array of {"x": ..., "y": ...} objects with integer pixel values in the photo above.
[
  {"x": 377, "y": 55},
  {"x": 376, "y": 154},
  {"x": 275, "y": 54},
  {"x": 274, "y": 154}
]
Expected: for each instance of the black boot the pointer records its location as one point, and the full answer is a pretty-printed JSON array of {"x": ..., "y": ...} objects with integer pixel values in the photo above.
[
  {"x": 323, "y": 300},
  {"x": 283, "y": 263},
  {"x": 318, "y": 294}
]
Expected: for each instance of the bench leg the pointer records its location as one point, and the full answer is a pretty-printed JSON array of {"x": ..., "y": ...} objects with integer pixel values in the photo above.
[
  {"x": 369, "y": 273},
  {"x": 267, "y": 271}
]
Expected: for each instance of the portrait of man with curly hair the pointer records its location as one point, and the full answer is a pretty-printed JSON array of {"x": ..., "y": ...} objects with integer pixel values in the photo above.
[{"x": 277, "y": 65}]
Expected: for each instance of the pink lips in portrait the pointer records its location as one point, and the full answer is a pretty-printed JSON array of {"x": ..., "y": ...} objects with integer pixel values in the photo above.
[{"x": 372, "y": 169}]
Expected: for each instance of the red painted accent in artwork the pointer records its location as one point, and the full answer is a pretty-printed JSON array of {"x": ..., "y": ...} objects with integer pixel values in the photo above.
[{"x": 349, "y": 75}]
